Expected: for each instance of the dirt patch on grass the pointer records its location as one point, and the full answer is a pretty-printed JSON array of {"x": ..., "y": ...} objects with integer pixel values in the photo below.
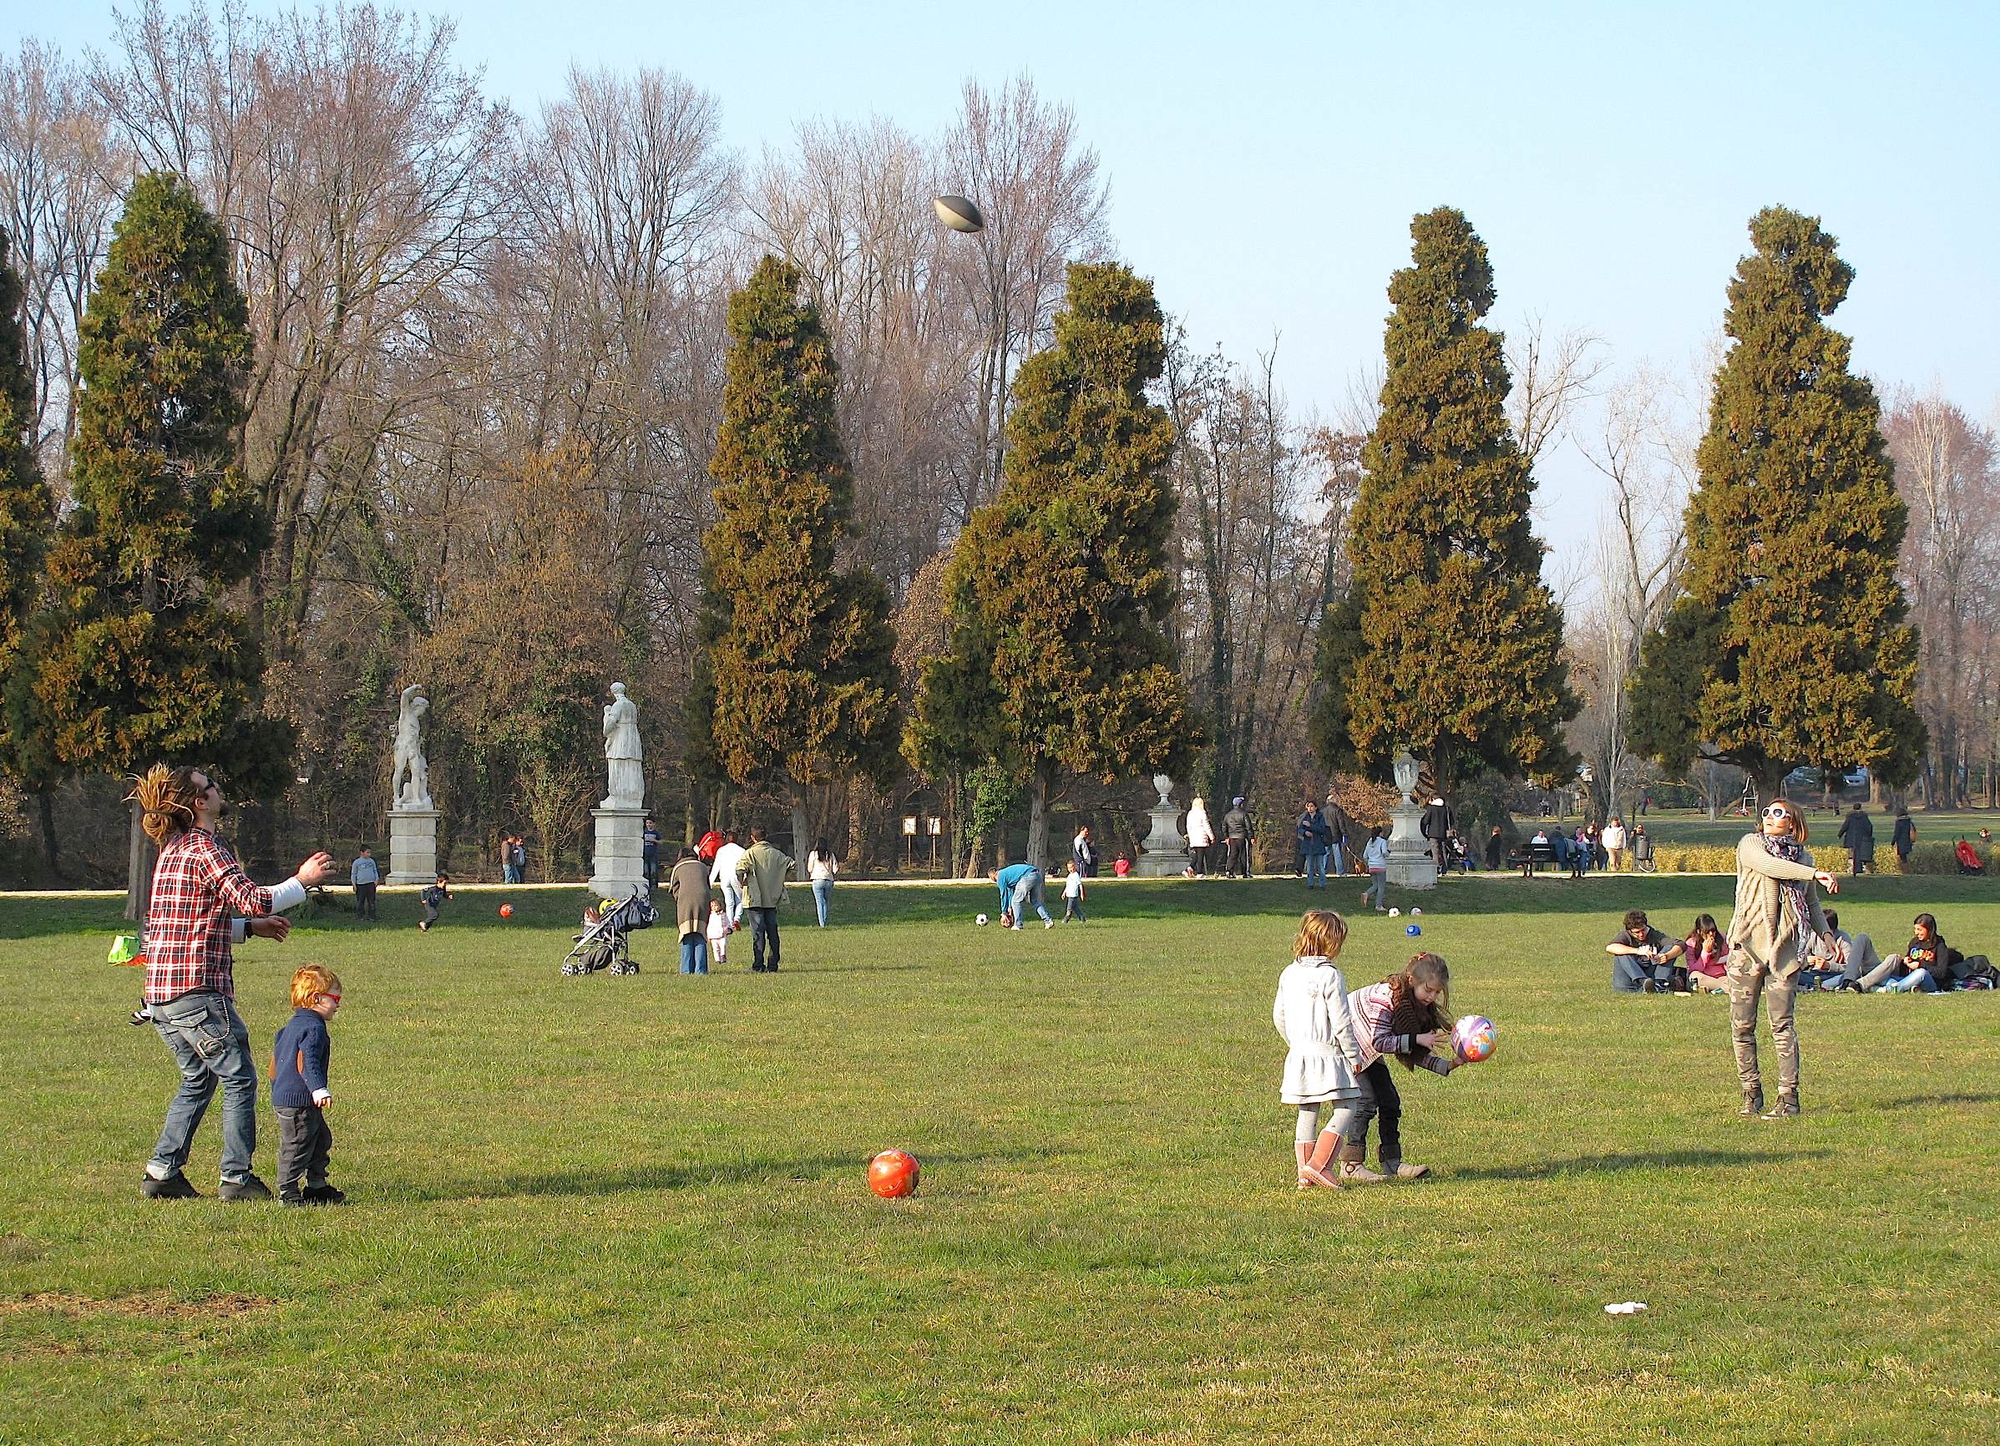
[{"x": 154, "y": 1306}]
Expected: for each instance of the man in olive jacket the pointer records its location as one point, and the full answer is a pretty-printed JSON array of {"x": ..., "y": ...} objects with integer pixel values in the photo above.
[{"x": 762, "y": 872}]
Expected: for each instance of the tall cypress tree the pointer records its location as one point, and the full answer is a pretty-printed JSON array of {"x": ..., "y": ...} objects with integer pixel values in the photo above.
[
  {"x": 138, "y": 657},
  {"x": 26, "y": 517},
  {"x": 1448, "y": 641},
  {"x": 1058, "y": 590},
  {"x": 1789, "y": 645},
  {"x": 797, "y": 681}
]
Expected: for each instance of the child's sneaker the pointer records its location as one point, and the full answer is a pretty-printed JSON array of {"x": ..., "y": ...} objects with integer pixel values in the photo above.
[
  {"x": 248, "y": 1188},
  {"x": 324, "y": 1195},
  {"x": 174, "y": 1187},
  {"x": 292, "y": 1200}
]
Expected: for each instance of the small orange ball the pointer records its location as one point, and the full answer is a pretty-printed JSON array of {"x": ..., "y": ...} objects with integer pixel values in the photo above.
[
  {"x": 506, "y": 911},
  {"x": 893, "y": 1174}
]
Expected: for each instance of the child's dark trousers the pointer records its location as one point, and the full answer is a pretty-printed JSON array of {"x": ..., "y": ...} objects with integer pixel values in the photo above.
[{"x": 304, "y": 1141}]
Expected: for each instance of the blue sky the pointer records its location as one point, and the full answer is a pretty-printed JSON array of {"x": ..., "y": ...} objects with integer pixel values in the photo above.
[{"x": 1265, "y": 159}]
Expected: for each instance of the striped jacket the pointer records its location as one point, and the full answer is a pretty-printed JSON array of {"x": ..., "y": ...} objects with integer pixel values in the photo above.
[{"x": 1369, "y": 1007}]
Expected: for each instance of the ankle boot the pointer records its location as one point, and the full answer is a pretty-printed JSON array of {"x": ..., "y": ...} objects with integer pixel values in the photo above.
[
  {"x": 1314, "y": 1169},
  {"x": 1787, "y": 1106},
  {"x": 1753, "y": 1104}
]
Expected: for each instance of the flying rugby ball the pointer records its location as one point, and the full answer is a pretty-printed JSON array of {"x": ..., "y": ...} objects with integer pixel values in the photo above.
[{"x": 959, "y": 214}]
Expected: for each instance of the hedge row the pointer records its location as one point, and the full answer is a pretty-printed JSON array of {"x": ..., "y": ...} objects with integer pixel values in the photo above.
[{"x": 1926, "y": 858}]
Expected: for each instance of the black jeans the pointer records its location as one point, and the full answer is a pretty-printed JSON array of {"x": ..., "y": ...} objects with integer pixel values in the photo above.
[
  {"x": 763, "y": 925},
  {"x": 304, "y": 1141},
  {"x": 1379, "y": 1098},
  {"x": 1239, "y": 858},
  {"x": 364, "y": 900}
]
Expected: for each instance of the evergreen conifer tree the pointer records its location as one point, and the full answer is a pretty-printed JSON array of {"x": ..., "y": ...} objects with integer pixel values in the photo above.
[
  {"x": 797, "y": 680},
  {"x": 1058, "y": 590},
  {"x": 138, "y": 657},
  {"x": 1448, "y": 642},
  {"x": 1789, "y": 645},
  {"x": 26, "y": 518}
]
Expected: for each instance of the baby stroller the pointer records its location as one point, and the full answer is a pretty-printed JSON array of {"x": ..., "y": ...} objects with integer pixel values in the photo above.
[{"x": 606, "y": 944}]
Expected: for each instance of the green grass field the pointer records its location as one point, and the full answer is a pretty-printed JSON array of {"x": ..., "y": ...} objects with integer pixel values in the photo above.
[
  {"x": 1686, "y": 826},
  {"x": 626, "y": 1210}
]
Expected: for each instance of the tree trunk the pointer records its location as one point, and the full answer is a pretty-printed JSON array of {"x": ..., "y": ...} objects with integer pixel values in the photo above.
[
  {"x": 1038, "y": 819},
  {"x": 138, "y": 867},
  {"x": 799, "y": 841},
  {"x": 45, "y": 808}
]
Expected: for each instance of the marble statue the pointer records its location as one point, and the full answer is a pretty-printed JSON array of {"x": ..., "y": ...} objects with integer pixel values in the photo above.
[
  {"x": 415, "y": 791},
  {"x": 1407, "y": 769},
  {"x": 1164, "y": 786},
  {"x": 622, "y": 752}
]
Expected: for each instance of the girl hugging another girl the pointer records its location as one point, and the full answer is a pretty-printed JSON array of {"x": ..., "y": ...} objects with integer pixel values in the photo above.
[{"x": 1407, "y": 1015}]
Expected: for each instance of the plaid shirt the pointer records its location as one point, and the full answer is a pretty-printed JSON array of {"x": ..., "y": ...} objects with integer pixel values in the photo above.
[{"x": 198, "y": 889}]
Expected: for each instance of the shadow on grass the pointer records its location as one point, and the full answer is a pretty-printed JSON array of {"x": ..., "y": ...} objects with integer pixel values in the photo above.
[
  {"x": 1618, "y": 1164},
  {"x": 1958, "y": 1098},
  {"x": 692, "y": 1175}
]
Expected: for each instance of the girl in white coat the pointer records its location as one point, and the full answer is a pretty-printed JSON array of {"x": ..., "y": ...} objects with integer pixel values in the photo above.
[
  {"x": 1322, "y": 1065},
  {"x": 1200, "y": 837}
]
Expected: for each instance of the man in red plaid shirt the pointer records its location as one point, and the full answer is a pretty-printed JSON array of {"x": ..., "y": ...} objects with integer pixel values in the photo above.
[{"x": 202, "y": 903}]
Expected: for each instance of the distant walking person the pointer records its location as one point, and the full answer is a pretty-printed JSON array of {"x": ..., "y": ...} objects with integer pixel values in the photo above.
[
  {"x": 761, "y": 873},
  {"x": 822, "y": 868},
  {"x": 1904, "y": 840},
  {"x": 201, "y": 903},
  {"x": 1073, "y": 894},
  {"x": 434, "y": 899},
  {"x": 1777, "y": 919},
  {"x": 1315, "y": 841},
  {"x": 1201, "y": 840},
  {"x": 366, "y": 876},
  {"x": 728, "y": 854},
  {"x": 1857, "y": 834},
  {"x": 1236, "y": 833},
  {"x": 1084, "y": 852},
  {"x": 1376, "y": 857}
]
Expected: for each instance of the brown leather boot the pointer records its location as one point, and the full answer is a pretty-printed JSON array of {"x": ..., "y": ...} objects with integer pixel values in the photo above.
[
  {"x": 1753, "y": 1105},
  {"x": 1785, "y": 1108}
]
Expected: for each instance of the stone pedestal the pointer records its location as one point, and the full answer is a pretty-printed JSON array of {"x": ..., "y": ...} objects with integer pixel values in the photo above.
[
  {"x": 619, "y": 861},
  {"x": 1166, "y": 855},
  {"x": 1410, "y": 863},
  {"x": 413, "y": 845}
]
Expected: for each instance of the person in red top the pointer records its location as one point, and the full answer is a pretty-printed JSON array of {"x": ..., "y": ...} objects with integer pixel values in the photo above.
[
  {"x": 710, "y": 842},
  {"x": 202, "y": 903}
]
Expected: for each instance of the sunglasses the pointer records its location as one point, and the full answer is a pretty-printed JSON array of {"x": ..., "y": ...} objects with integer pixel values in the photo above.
[{"x": 1777, "y": 810}]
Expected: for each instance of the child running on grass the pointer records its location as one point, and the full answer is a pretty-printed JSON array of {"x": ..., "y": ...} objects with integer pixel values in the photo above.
[
  {"x": 1406, "y": 1015},
  {"x": 1073, "y": 894},
  {"x": 300, "y": 1091},
  {"x": 1323, "y": 1060},
  {"x": 718, "y": 932},
  {"x": 434, "y": 899}
]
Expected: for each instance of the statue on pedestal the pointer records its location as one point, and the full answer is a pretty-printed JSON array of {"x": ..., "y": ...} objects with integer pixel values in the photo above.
[
  {"x": 415, "y": 791},
  {"x": 1407, "y": 769},
  {"x": 623, "y": 753}
]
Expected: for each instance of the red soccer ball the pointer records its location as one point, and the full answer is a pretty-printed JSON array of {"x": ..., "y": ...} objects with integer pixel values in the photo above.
[
  {"x": 893, "y": 1174},
  {"x": 506, "y": 911}
]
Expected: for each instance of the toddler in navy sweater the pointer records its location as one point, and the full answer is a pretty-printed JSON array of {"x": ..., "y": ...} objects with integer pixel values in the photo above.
[{"x": 299, "y": 1090}]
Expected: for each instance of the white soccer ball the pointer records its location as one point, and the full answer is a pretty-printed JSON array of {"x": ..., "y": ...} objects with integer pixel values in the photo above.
[
  {"x": 980, "y": 920},
  {"x": 1415, "y": 912},
  {"x": 1395, "y": 913}
]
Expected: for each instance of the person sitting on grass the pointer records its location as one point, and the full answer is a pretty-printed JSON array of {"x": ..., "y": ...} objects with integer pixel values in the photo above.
[
  {"x": 1923, "y": 967},
  {"x": 1706, "y": 954},
  {"x": 1839, "y": 959},
  {"x": 1642, "y": 957},
  {"x": 434, "y": 899}
]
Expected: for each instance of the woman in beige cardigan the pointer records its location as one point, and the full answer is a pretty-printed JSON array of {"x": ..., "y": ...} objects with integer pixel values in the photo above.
[{"x": 1777, "y": 915}]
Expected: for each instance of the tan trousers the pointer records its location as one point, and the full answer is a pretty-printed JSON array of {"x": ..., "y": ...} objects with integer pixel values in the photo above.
[{"x": 1749, "y": 976}]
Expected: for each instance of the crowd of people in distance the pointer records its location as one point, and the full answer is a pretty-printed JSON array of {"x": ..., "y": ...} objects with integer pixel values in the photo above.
[
  {"x": 1588, "y": 848},
  {"x": 1648, "y": 960}
]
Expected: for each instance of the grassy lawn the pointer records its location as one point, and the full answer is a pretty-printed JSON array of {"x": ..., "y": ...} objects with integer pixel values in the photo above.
[
  {"x": 1686, "y": 826},
  {"x": 627, "y": 1210}
]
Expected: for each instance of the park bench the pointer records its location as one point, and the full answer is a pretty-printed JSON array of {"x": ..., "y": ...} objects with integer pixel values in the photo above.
[{"x": 1529, "y": 858}]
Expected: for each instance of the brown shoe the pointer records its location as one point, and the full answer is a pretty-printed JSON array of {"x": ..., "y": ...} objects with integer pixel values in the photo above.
[
  {"x": 1785, "y": 1108},
  {"x": 1753, "y": 1105}
]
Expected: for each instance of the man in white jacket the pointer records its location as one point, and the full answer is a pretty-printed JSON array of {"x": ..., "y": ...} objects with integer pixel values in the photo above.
[{"x": 723, "y": 876}]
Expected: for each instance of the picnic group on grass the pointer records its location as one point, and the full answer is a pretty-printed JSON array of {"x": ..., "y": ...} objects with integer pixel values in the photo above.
[{"x": 1339, "y": 1042}]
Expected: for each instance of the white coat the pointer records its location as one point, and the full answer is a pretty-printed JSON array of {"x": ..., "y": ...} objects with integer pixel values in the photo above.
[
  {"x": 1311, "y": 1016},
  {"x": 1200, "y": 832}
]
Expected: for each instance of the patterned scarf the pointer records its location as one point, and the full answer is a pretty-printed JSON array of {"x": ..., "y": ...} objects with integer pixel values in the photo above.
[
  {"x": 1794, "y": 891},
  {"x": 1410, "y": 1015}
]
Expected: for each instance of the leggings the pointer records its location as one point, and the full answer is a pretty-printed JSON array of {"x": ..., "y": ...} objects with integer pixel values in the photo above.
[{"x": 1340, "y": 1119}]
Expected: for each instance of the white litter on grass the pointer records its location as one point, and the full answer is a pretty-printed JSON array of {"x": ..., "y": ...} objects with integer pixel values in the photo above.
[{"x": 1625, "y": 1307}]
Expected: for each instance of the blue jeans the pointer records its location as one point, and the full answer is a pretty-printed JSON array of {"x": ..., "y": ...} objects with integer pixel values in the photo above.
[
  {"x": 763, "y": 930},
  {"x": 1913, "y": 982},
  {"x": 1315, "y": 869},
  {"x": 1029, "y": 891},
  {"x": 694, "y": 954},
  {"x": 212, "y": 1046},
  {"x": 822, "y": 896}
]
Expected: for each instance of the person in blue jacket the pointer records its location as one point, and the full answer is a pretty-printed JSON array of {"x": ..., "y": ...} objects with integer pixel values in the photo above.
[
  {"x": 1021, "y": 885},
  {"x": 300, "y": 1093}
]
